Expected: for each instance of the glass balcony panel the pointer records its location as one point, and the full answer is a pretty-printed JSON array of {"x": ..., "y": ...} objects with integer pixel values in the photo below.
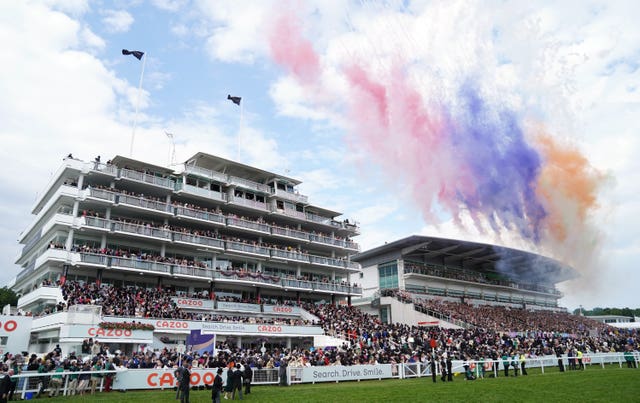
[{"x": 200, "y": 215}]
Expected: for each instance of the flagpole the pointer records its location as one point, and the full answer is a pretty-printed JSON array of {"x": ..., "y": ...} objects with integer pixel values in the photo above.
[
  {"x": 239, "y": 131},
  {"x": 135, "y": 117}
]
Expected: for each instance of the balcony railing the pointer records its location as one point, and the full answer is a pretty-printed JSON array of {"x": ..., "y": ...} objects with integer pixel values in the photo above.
[
  {"x": 96, "y": 222},
  {"x": 248, "y": 184},
  {"x": 210, "y": 194},
  {"x": 290, "y": 212},
  {"x": 289, "y": 255},
  {"x": 290, "y": 233},
  {"x": 294, "y": 197},
  {"x": 200, "y": 215},
  {"x": 249, "y": 203},
  {"x": 193, "y": 271},
  {"x": 102, "y": 194},
  {"x": 198, "y": 240},
  {"x": 247, "y": 248},
  {"x": 326, "y": 261},
  {"x": 94, "y": 259},
  {"x": 147, "y": 178},
  {"x": 319, "y": 219},
  {"x": 252, "y": 225},
  {"x": 207, "y": 173},
  {"x": 141, "y": 265},
  {"x": 141, "y": 230},
  {"x": 103, "y": 168},
  {"x": 144, "y": 203}
]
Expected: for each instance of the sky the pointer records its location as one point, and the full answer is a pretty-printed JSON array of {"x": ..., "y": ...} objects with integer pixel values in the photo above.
[{"x": 494, "y": 121}]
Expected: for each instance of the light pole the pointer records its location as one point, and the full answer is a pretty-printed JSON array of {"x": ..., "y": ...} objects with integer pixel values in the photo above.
[{"x": 172, "y": 150}]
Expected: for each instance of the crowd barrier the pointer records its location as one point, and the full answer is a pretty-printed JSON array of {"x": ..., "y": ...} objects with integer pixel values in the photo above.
[{"x": 29, "y": 383}]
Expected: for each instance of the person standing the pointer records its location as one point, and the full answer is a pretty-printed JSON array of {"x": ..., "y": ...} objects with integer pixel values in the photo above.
[
  {"x": 579, "y": 358},
  {"x": 505, "y": 363},
  {"x": 523, "y": 366},
  {"x": 443, "y": 369},
  {"x": 185, "y": 382},
  {"x": 433, "y": 369},
  {"x": 449, "y": 368},
  {"x": 237, "y": 382},
  {"x": 216, "y": 390},
  {"x": 5, "y": 383},
  {"x": 248, "y": 377}
]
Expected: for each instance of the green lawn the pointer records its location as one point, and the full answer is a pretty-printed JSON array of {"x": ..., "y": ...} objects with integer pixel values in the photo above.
[{"x": 593, "y": 385}]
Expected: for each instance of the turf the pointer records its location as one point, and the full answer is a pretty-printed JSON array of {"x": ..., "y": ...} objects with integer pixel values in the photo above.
[{"x": 612, "y": 384}]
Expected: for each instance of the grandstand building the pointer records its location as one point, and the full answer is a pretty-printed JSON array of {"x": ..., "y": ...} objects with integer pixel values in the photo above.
[
  {"x": 423, "y": 268},
  {"x": 233, "y": 247}
]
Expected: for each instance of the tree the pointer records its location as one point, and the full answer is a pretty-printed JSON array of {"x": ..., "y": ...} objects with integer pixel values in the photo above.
[{"x": 7, "y": 296}]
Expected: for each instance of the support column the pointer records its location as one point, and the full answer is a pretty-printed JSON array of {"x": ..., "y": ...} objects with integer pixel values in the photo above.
[
  {"x": 349, "y": 300},
  {"x": 103, "y": 241},
  {"x": 258, "y": 294},
  {"x": 212, "y": 290},
  {"x": 288, "y": 343},
  {"x": 159, "y": 283},
  {"x": 65, "y": 273},
  {"x": 333, "y": 299},
  {"x": 239, "y": 342},
  {"x": 298, "y": 297},
  {"x": 333, "y": 275},
  {"x": 80, "y": 182},
  {"x": 99, "y": 277},
  {"x": 69, "y": 242}
]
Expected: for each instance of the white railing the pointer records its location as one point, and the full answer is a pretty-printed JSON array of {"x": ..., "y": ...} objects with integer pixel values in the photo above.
[
  {"x": 290, "y": 233},
  {"x": 147, "y": 178},
  {"x": 207, "y": 173},
  {"x": 256, "y": 226},
  {"x": 247, "y": 248},
  {"x": 141, "y": 230},
  {"x": 101, "y": 194},
  {"x": 144, "y": 203},
  {"x": 210, "y": 194},
  {"x": 295, "y": 197},
  {"x": 249, "y": 184},
  {"x": 249, "y": 203},
  {"x": 198, "y": 240},
  {"x": 200, "y": 215}
]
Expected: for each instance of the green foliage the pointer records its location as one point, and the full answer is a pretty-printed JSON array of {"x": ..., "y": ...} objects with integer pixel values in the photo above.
[
  {"x": 7, "y": 296},
  {"x": 594, "y": 384}
]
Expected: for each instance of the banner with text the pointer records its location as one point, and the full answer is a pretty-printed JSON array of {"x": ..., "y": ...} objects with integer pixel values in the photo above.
[
  {"x": 246, "y": 328},
  {"x": 193, "y": 303},
  {"x": 238, "y": 306},
  {"x": 282, "y": 309},
  {"x": 342, "y": 373},
  {"x": 96, "y": 332}
]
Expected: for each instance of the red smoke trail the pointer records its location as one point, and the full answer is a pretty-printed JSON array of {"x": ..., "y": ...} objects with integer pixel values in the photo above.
[{"x": 291, "y": 50}]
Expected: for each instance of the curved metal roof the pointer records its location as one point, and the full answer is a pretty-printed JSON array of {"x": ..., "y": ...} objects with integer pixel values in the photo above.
[{"x": 474, "y": 256}]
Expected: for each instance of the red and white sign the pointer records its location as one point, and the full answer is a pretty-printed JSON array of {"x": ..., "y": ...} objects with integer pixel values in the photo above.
[
  {"x": 16, "y": 329},
  {"x": 162, "y": 378},
  {"x": 98, "y": 333},
  {"x": 193, "y": 303}
]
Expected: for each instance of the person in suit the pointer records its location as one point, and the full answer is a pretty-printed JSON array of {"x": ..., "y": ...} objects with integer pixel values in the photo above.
[
  {"x": 216, "y": 390},
  {"x": 248, "y": 377}
]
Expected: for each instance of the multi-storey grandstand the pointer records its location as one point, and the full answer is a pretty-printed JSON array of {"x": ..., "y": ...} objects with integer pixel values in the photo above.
[{"x": 137, "y": 259}]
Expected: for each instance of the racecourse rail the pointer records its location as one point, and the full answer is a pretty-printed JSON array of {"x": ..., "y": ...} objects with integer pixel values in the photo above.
[{"x": 29, "y": 382}]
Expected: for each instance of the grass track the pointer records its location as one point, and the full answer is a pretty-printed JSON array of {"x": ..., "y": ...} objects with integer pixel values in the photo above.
[{"x": 593, "y": 385}]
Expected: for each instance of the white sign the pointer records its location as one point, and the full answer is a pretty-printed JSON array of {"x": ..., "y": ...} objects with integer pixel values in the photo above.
[
  {"x": 345, "y": 373},
  {"x": 162, "y": 378},
  {"x": 240, "y": 328},
  {"x": 238, "y": 306},
  {"x": 193, "y": 303},
  {"x": 16, "y": 330}
]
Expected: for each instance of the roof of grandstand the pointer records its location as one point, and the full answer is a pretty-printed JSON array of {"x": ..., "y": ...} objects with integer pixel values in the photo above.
[{"x": 475, "y": 256}]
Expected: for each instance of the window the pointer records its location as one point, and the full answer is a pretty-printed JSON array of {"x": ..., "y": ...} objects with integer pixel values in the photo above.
[{"x": 388, "y": 275}]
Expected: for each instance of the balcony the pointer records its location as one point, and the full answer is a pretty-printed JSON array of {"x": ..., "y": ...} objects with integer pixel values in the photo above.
[
  {"x": 318, "y": 219},
  {"x": 143, "y": 266},
  {"x": 206, "y": 173},
  {"x": 247, "y": 248},
  {"x": 247, "y": 276},
  {"x": 294, "y": 197},
  {"x": 200, "y": 215},
  {"x": 100, "y": 194},
  {"x": 290, "y": 233},
  {"x": 57, "y": 255},
  {"x": 142, "y": 230},
  {"x": 249, "y": 185},
  {"x": 51, "y": 295},
  {"x": 94, "y": 259},
  {"x": 326, "y": 261},
  {"x": 289, "y": 255},
  {"x": 106, "y": 169},
  {"x": 290, "y": 213},
  {"x": 150, "y": 179},
  {"x": 95, "y": 222},
  {"x": 191, "y": 271},
  {"x": 202, "y": 192},
  {"x": 250, "y": 225},
  {"x": 180, "y": 237},
  {"x": 144, "y": 203},
  {"x": 249, "y": 203}
]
